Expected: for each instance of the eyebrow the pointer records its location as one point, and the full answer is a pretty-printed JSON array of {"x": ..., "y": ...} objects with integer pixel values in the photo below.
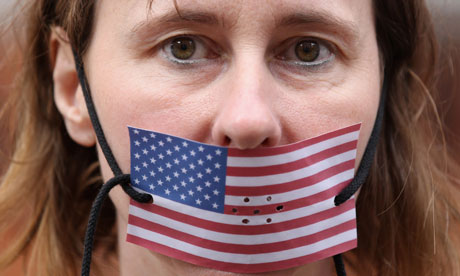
[
  {"x": 345, "y": 28},
  {"x": 190, "y": 16},
  {"x": 173, "y": 17}
]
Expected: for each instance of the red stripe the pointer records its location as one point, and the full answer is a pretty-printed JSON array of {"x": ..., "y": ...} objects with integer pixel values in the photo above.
[
  {"x": 247, "y": 229},
  {"x": 242, "y": 268},
  {"x": 242, "y": 248},
  {"x": 242, "y": 210},
  {"x": 233, "y": 152},
  {"x": 289, "y": 186},
  {"x": 292, "y": 166}
]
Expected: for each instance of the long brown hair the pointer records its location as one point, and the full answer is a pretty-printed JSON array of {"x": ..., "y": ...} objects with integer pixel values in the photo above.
[{"x": 404, "y": 209}]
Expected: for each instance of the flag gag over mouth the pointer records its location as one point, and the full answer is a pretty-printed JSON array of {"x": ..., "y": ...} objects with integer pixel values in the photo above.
[{"x": 244, "y": 211}]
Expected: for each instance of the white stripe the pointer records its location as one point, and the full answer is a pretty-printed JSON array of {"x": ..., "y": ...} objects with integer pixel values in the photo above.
[
  {"x": 243, "y": 258},
  {"x": 244, "y": 239},
  {"x": 291, "y": 156},
  {"x": 236, "y": 220},
  {"x": 294, "y": 194},
  {"x": 255, "y": 181}
]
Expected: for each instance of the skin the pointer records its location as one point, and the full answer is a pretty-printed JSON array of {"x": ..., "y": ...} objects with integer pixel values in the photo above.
[{"x": 244, "y": 91}]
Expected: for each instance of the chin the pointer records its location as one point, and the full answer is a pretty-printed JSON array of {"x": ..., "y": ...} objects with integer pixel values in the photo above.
[{"x": 178, "y": 267}]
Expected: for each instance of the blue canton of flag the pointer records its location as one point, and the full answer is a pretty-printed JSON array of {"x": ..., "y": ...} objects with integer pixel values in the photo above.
[{"x": 181, "y": 170}]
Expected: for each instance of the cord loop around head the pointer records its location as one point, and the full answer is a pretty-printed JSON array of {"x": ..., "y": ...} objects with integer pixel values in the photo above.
[
  {"x": 368, "y": 156},
  {"x": 93, "y": 116},
  {"x": 364, "y": 167},
  {"x": 119, "y": 178}
]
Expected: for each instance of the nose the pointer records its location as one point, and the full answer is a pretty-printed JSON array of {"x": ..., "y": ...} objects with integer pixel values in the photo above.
[{"x": 246, "y": 117}]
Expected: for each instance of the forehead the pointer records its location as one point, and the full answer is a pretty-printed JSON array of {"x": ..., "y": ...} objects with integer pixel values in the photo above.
[{"x": 238, "y": 15}]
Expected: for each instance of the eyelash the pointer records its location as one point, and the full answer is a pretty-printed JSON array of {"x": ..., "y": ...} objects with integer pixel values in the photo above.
[
  {"x": 325, "y": 49},
  {"x": 288, "y": 45},
  {"x": 199, "y": 41}
]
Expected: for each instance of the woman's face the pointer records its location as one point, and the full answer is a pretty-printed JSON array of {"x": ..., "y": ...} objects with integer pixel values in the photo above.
[{"x": 243, "y": 74}]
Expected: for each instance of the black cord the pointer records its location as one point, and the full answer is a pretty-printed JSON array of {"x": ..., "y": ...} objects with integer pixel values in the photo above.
[
  {"x": 119, "y": 178},
  {"x": 368, "y": 156},
  {"x": 100, "y": 133},
  {"x": 364, "y": 167},
  {"x": 123, "y": 180},
  {"x": 93, "y": 115},
  {"x": 339, "y": 266}
]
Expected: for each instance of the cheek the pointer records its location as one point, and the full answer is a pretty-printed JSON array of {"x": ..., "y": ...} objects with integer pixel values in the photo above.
[
  {"x": 180, "y": 114},
  {"x": 328, "y": 106}
]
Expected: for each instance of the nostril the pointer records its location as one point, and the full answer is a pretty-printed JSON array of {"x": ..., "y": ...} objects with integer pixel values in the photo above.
[
  {"x": 245, "y": 121},
  {"x": 227, "y": 141},
  {"x": 266, "y": 142}
]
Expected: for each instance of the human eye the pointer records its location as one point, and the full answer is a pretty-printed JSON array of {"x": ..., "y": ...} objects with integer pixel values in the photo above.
[
  {"x": 308, "y": 53},
  {"x": 189, "y": 49}
]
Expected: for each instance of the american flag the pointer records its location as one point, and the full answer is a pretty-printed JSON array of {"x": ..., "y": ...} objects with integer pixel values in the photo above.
[{"x": 246, "y": 211}]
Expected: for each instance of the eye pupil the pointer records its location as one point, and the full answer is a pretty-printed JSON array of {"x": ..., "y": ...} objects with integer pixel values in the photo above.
[
  {"x": 182, "y": 48},
  {"x": 307, "y": 50}
]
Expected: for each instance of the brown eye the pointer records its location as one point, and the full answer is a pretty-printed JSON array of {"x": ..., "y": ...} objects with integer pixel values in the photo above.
[
  {"x": 183, "y": 48},
  {"x": 307, "y": 50}
]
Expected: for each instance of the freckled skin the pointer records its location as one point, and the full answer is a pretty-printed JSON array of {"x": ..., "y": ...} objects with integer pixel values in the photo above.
[{"x": 249, "y": 94}]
